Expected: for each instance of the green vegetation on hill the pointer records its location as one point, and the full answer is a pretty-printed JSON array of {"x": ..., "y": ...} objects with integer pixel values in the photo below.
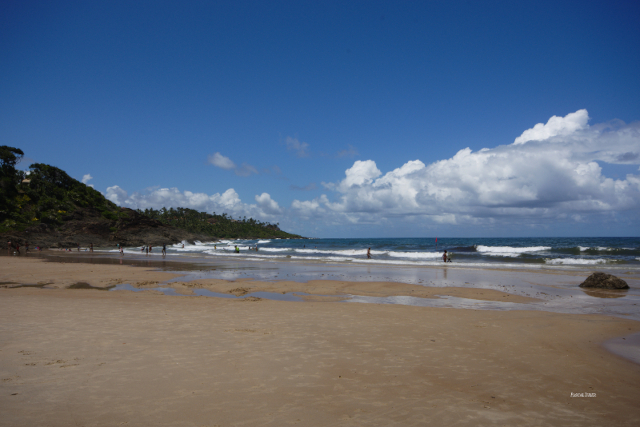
[
  {"x": 48, "y": 195},
  {"x": 44, "y": 195},
  {"x": 222, "y": 226}
]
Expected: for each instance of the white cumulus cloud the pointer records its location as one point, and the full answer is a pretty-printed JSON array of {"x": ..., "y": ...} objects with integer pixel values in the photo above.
[
  {"x": 226, "y": 163},
  {"x": 221, "y": 161},
  {"x": 86, "y": 178},
  {"x": 561, "y": 126},
  {"x": 268, "y": 205},
  {"x": 550, "y": 173},
  {"x": 228, "y": 202}
]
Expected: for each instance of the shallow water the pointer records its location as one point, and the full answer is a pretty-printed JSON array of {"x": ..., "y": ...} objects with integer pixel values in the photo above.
[
  {"x": 557, "y": 289},
  {"x": 274, "y": 296},
  {"x": 627, "y": 347}
]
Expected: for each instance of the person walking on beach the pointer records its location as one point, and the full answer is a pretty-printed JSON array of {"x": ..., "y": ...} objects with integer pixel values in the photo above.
[
  {"x": 369, "y": 253},
  {"x": 164, "y": 249}
]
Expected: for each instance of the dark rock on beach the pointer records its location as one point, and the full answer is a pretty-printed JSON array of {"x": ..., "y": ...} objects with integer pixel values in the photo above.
[{"x": 604, "y": 281}]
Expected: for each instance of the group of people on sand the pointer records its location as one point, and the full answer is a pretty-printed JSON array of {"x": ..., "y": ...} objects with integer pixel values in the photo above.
[
  {"x": 237, "y": 249},
  {"x": 147, "y": 249},
  {"x": 14, "y": 248},
  {"x": 79, "y": 248}
]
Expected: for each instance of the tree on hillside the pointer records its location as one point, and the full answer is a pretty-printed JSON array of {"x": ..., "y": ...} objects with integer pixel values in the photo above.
[{"x": 9, "y": 179}]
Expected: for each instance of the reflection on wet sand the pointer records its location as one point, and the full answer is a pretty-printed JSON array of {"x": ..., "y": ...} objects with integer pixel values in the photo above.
[{"x": 605, "y": 293}]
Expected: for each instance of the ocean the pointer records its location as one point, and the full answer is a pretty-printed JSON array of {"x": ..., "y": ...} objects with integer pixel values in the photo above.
[{"x": 609, "y": 252}]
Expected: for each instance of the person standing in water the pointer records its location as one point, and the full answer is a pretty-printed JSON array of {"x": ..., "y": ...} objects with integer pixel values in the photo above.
[
  {"x": 91, "y": 247},
  {"x": 444, "y": 256},
  {"x": 369, "y": 253},
  {"x": 164, "y": 249}
]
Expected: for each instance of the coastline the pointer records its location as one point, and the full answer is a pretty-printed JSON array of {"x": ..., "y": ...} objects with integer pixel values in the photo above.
[{"x": 96, "y": 358}]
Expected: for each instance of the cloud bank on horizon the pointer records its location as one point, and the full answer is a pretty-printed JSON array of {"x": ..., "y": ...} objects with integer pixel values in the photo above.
[{"x": 549, "y": 174}]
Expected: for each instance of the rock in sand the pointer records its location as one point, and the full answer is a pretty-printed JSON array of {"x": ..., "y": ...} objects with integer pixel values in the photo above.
[{"x": 604, "y": 281}]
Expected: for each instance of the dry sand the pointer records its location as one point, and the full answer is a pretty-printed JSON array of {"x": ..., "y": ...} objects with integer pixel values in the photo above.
[{"x": 95, "y": 358}]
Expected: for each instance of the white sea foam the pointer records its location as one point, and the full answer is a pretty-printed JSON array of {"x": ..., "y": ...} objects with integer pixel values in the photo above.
[
  {"x": 597, "y": 248},
  {"x": 248, "y": 254},
  {"x": 415, "y": 255},
  {"x": 508, "y": 250},
  {"x": 258, "y": 256},
  {"x": 263, "y": 241},
  {"x": 575, "y": 261},
  {"x": 344, "y": 252},
  {"x": 274, "y": 249}
]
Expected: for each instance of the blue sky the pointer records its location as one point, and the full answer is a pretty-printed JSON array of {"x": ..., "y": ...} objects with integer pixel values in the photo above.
[{"x": 300, "y": 112}]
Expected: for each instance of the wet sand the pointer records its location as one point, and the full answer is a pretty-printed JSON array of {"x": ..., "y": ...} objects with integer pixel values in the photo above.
[{"x": 89, "y": 357}]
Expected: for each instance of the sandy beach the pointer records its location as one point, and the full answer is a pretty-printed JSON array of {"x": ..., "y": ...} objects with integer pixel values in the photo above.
[{"x": 92, "y": 357}]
